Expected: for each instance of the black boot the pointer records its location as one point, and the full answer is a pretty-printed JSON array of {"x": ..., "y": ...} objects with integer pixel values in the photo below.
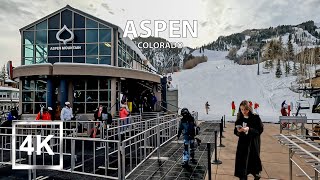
[{"x": 257, "y": 176}]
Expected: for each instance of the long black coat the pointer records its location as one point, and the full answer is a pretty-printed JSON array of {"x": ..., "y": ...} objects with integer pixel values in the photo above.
[{"x": 248, "y": 151}]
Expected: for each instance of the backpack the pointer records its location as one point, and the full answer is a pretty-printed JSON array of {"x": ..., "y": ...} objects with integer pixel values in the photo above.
[
  {"x": 107, "y": 117},
  {"x": 192, "y": 130}
]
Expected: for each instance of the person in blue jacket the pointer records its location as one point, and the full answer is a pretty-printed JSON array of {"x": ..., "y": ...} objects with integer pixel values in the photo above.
[{"x": 188, "y": 127}]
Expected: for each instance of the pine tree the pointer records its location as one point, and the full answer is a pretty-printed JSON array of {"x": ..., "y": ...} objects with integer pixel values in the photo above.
[
  {"x": 3, "y": 74},
  {"x": 278, "y": 71}
]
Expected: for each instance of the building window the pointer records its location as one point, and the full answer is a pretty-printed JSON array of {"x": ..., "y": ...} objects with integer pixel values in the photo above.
[
  {"x": 91, "y": 93},
  {"x": 34, "y": 95}
]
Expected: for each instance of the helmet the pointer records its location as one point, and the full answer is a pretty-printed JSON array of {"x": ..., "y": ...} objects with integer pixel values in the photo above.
[{"x": 184, "y": 112}]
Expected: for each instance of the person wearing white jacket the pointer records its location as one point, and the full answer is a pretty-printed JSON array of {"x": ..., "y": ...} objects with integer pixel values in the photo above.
[{"x": 66, "y": 112}]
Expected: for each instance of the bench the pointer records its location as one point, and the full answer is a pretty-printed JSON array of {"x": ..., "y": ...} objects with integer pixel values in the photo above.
[{"x": 293, "y": 119}]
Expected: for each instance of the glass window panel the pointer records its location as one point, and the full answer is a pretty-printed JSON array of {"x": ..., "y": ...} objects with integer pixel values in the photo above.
[
  {"x": 79, "y": 36},
  {"x": 92, "y": 49},
  {"x": 105, "y": 35},
  {"x": 28, "y": 51},
  {"x": 103, "y": 96},
  {"x": 105, "y": 49},
  {"x": 79, "y": 96},
  {"x": 53, "y": 60},
  {"x": 79, "y": 107},
  {"x": 66, "y": 18},
  {"x": 92, "y": 36},
  {"x": 91, "y": 107},
  {"x": 30, "y": 28},
  {"x": 92, "y": 96},
  {"x": 104, "y": 84},
  {"x": 27, "y": 108},
  {"x": 41, "y": 37},
  {"x": 123, "y": 55},
  {"x": 52, "y": 36},
  {"x": 79, "y": 21},
  {"x": 119, "y": 53},
  {"x": 65, "y": 35},
  {"x": 66, "y": 59},
  {"x": 40, "y": 84},
  {"x": 53, "y": 52},
  {"x": 92, "y": 60},
  {"x": 79, "y": 85},
  {"x": 41, "y": 51},
  {"x": 101, "y": 26},
  {"x": 54, "y": 22},
  {"x": 37, "y": 107},
  {"x": 28, "y": 37},
  {"x": 79, "y": 52},
  {"x": 91, "y": 24},
  {"x": 41, "y": 96},
  {"x": 92, "y": 84},
  {"x": 106, "y": 105},
  {"x": 42, "y": 25},
  {"x": 41, "y": 60},
  {"x": 78, "y": 59},
  {"x": 27, "y": 84},
  {"x": 65, "y": 52},
  {"x": 28, "y": 96},
  {"x": 109, "y": 95},
  {"x": 105, "y": 60}
]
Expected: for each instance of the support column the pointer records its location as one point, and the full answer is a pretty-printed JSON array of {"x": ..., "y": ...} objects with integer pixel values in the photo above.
[
  {"x": 49, "y": 93},
  {"x": 20, "y": 96},
  {"x": 113, "y": 96},
  {"x": 70, "y": 93},
  {"x": 164, "y": 92},
  {"x": 63, "y": 92}
]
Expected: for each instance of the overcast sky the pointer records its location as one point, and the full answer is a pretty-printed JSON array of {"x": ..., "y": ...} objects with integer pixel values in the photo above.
[{"x": 215, "y": 17}]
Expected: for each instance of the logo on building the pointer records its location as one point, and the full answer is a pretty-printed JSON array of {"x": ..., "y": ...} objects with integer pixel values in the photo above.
[
  {"x": 65, "y": 28},
  {"x": 65, "y": 41}
]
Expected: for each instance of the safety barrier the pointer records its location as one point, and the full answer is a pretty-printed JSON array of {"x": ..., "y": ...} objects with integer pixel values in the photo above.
[
  {"x": 114, "y": 154},
  {"x": 306, "y": 150}
]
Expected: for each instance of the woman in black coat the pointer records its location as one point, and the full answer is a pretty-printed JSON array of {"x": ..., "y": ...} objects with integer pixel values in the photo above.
[{"x": 248, "y": 150}]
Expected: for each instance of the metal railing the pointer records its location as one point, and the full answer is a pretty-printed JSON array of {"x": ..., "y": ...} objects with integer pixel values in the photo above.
[
  {"x": 306, "y": 150},
  {"x": 114, "y": 154}
]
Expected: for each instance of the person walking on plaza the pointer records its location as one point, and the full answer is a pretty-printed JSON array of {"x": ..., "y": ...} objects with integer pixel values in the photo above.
[
  {"x": 248, "y": 127},
  {"x": 256, "y": 106},
  {"x": 188, "y": 127},
  {"x": 233, "y": 107},
  {"x": 66, "y": 115},
  {"x": 207, "y": 106}
]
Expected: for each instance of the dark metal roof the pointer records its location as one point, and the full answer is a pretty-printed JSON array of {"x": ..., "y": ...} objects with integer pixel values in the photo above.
[{"x": 74, "y": 10}]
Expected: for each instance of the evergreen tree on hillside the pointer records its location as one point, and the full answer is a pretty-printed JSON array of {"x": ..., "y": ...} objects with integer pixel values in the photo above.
[
  {"x": 3, "y": 74},
  {"x": 278, "y": 71}
]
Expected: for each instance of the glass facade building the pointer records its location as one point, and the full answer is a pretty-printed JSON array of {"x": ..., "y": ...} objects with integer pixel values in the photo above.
[{"x": 71, "y": 36}]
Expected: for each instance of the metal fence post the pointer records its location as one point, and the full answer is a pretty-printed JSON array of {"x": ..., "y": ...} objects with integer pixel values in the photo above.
[
  {"x": 216, "y": 161},
  {"x": 123, "y": 155},
  {"x": 72, "y": 154},
  {"x": 290, "y": 164},
  {"x": 209, "y": 159},
  {"x": 158, "y": 137}
]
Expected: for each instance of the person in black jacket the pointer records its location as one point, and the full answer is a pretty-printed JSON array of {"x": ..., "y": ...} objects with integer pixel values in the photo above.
[
  {"x": 248, "y": 150},
  {"x": 187, "y": 126}
]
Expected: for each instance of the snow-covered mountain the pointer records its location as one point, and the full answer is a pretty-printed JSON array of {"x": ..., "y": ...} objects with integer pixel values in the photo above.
[{"x": 220, "y": 81}]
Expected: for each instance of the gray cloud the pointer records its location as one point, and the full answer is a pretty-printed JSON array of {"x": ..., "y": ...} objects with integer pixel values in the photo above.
[{"x": 218, "y": 17}]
